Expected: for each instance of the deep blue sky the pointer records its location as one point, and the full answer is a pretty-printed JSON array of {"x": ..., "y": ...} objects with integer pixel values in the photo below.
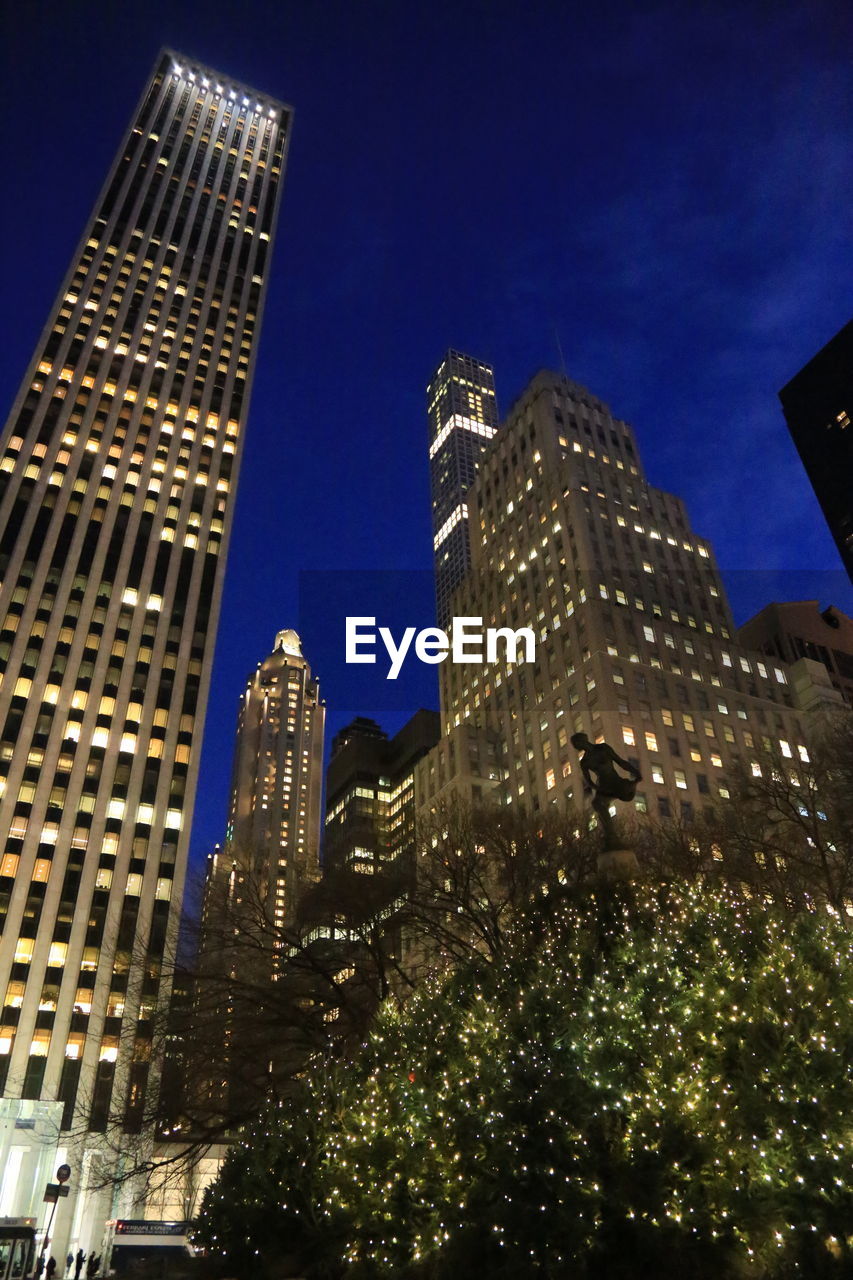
[{"x": 663, "y": 187}]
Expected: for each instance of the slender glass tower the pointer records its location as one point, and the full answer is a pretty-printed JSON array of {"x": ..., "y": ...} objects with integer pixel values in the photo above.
[
  {"x": 118, "y": 466},
  {"x": 463, "y": 416}
]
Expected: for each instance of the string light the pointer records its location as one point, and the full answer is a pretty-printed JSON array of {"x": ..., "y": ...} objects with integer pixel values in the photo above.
[{"x": 658, "y": 1071}]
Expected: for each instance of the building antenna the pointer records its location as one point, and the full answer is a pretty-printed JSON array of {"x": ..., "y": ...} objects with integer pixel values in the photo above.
[{"x": 560, "y": 354}]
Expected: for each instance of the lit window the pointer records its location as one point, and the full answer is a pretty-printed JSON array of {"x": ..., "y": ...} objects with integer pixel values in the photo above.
[
  {"x": 24, "y": 950},
  {"x": 74, "y": 1044},
  {"x": 15, "y": 994}
]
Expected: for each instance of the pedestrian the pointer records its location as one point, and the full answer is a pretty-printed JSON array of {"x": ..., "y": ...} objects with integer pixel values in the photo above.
[
  {"x": 78, "y": 1263},
  {"x": 40, "y": 1266},
  {"x": 92, "y": 1266},
  {"x": 50, "y": 1269},
  {"x": 69, "y": 1262}
]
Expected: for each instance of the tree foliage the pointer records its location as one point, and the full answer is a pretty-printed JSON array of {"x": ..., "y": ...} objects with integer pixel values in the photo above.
[{"x": 644, "y": 1081}]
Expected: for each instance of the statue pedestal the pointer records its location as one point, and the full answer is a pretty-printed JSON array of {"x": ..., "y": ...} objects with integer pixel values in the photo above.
[{"x": 618, "y": 864}]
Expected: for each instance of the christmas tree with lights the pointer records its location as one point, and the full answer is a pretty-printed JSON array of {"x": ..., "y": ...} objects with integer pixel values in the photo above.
[{"x": 650, "y": 1080}]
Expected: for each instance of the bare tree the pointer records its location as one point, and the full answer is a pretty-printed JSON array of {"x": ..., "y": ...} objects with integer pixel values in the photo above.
[
  {"x": 476, "y": 869},
  {"x": 788, "y": 828},
  {"x": 261, "y": 996}
]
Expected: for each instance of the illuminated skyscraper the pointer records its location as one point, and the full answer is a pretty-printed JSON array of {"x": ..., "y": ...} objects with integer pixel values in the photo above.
[
  {"x": 274, "y": 821},
  {"x": 634, "y": 639},
  {"x": 117, "y": 471},
  {"x": 254, "y": 882},
  {"x": 463, "y": 417}
]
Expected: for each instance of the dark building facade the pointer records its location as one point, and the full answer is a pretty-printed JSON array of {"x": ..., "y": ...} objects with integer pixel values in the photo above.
[
  {"x": 118, "y": 467},
  {"x": 370, "y": 792},
  {"x": 818, "y": 407}
]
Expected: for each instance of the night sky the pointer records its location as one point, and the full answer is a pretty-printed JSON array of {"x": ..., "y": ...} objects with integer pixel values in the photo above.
[{"x": 660, "y": 192}]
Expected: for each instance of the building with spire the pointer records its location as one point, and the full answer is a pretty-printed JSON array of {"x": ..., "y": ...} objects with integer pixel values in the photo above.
[
  {"x": 254, "y": 882},
  {"x": 118, "y": 467},
  {"x": 277, "y": 783}
]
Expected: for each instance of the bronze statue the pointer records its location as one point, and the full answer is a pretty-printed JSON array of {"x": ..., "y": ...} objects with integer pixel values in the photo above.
[{"x": 609, "y": 785}]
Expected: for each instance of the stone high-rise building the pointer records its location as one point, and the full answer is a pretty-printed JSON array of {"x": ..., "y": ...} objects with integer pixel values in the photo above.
[
  {"x": 818, "y": 407},
  {"x": 274, "y": 820},
  {"x": 118, "y": 466},
  {"x": 254, "y": 882},
  {"x": 634, "y": 637},
  {"x": 463, "y": 416},
  {"x": 798, "y": 630}
]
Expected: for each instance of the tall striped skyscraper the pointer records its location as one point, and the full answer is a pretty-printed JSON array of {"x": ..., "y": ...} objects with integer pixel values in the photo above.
[
  {"x": 463, "y": 416},
  {"x": 118, "y": 466}
]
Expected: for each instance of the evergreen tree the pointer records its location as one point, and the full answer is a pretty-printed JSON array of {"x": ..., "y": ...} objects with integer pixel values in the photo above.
[{"x": 648, "y": 1081}]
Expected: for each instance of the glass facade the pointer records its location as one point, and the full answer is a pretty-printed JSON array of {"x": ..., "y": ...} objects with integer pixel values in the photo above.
[{"x": 463, "y": 416}]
